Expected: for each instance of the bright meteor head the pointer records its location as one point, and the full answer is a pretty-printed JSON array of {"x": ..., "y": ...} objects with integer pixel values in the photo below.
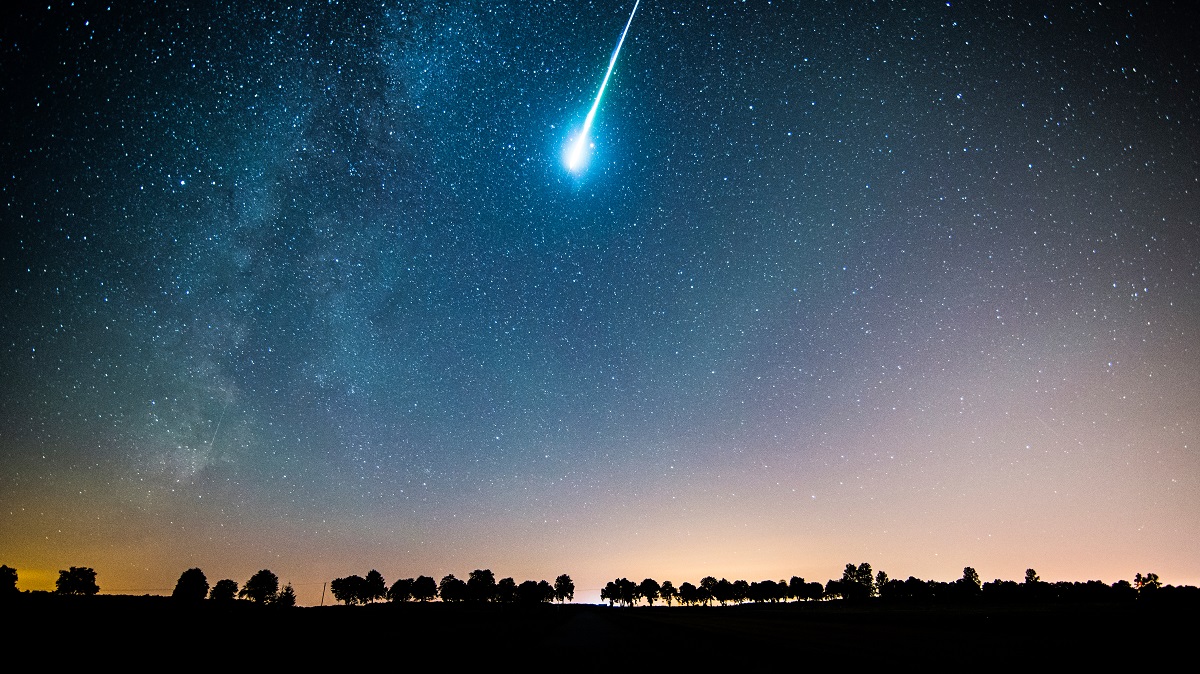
[{"x": 576, "y": 154}]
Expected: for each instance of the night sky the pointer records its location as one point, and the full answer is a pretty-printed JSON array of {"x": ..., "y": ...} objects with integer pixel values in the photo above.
[{"x": 310, "y": 288}]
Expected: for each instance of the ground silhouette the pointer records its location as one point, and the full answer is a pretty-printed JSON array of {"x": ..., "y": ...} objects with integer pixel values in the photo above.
[{"x": 829, "y": 633}]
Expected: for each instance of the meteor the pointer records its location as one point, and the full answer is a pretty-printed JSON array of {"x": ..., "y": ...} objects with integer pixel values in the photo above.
[{"x": 576, "y": 154}]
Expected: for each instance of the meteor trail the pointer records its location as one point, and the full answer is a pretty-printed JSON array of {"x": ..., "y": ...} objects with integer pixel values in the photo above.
[{"x": 576, "y": 154}]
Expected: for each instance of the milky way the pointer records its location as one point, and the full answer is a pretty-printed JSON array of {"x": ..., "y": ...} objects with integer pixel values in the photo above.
[{"x": 307, "y": 288}]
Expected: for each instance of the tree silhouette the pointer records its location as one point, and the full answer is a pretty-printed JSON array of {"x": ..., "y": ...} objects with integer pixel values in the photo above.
[
  {"x": 857, "y": 583},
  {"x": 970, "y": 576},
  {"x": 452, "y": 589},
  {"x": 796, "y": 588},
  {"x": 628, "y": 591},
  {"x": 564, "y": 588},
  {"x": 1147, "y": 582},
  {"x": 1033, "y": 589},
  {"x": 739, "y": 591},
  {"x": 609, "y": 593},
  {"x": 688, "y": 594},
  {"x": 373, "y": 587},
  {"x": 768, "y": 590},
  {"x": 224, "y": 590},
  {"x": 648, "y": 589},
  {"x": 286, "y": 597},
  {"x": 528, "y": 592},
  {"x": 8, "y": 581},
  {"x": 969, "y": 585},
  {"x": 191, "y": 586},
  {"x": 261, "y": 588},
  {"x": 1001, "y": 591},
  {"x": 892, "y": 590},
  {"x": 915, "y": 588},
  {"x": 723, "y": 591},
  {"x": 835, "y": 589},
  {"x": 79, "y": 580},
  {"x": 349, "y": 590},
  {"x": 534, "y": 592},
  {"x": 621, "y": 591},
  {"x": 424, "y": 589},
  {"x": 401, "y": 590},
  {"x": 506, "y": 591},
  {"x": 1122, "y": 590},
  {"x": 481, "y": 585},
  {"x": 668, "y": 592}
]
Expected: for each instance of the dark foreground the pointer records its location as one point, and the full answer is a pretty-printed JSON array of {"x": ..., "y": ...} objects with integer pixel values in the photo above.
[{"x": 155, "y": 630}]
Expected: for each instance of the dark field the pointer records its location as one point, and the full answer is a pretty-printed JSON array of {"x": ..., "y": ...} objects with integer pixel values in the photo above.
[{"x": 157, "y": 630}]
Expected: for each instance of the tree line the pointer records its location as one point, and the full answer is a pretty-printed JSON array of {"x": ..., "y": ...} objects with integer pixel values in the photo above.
[
  {"x": 262, "y": 588},
  {"x": 860, "y": 583},
  {"x": 77, "y": 580},
  {"x": 480, "y": 586}
]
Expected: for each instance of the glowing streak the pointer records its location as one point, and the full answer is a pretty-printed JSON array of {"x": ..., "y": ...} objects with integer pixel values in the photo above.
[{"x": 577, "y": 149}]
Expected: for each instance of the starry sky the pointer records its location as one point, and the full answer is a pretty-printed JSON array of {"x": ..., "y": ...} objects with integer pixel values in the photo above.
[{"x": 308, "y": 287}]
